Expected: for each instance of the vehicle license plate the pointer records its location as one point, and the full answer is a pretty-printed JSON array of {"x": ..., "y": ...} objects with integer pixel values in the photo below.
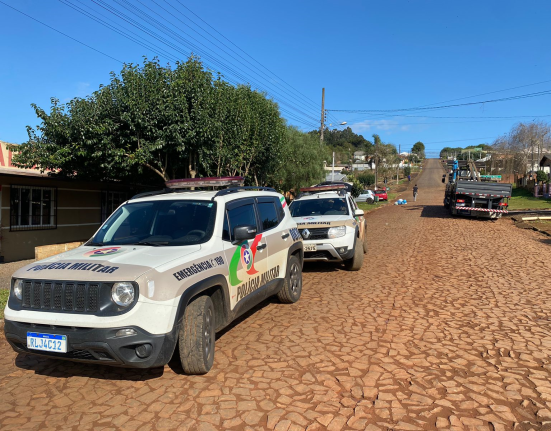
[
  {"x": 310, "y": 247},
  {"x": 47, "y": 342}
]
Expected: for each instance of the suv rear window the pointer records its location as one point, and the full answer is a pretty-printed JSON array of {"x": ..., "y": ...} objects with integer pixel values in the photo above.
[{"x": 317, "y": 207}]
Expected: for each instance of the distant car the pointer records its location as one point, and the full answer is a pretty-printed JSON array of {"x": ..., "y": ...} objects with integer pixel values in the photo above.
[
  {"x": 381, "y": 194},
  {"x": 366, "y": 196}
]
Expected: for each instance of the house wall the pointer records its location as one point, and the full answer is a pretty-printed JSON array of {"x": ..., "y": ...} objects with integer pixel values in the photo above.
[{"x": 78, "y": 214}]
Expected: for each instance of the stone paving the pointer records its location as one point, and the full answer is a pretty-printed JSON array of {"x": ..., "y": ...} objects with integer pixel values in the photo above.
[{"x": 447, "y": 326}]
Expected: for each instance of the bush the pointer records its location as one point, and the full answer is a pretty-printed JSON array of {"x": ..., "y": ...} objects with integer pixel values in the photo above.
[
  {"x": 542, "y": 177},
  {"x": 366, "y": 179},
  {"x": 357, "y": 187},
  {"x": 407, "y": 171}
]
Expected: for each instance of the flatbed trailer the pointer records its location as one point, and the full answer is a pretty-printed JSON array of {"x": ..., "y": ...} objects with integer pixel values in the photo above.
[{"x": 466, "y": 195}]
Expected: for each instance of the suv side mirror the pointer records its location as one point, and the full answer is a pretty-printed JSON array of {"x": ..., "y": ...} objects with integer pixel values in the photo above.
[
  {"x": 359, "y": 212},
  {"x": 243, "y": 233}
]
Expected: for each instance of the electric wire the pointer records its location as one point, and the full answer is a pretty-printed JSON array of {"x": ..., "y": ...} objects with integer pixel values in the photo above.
[
  {"x": 64, "y": 34},
  {"x": 504, "y": 99},
  {"x": 244, "y": 52},
  {"x": 144, "y": 16}
]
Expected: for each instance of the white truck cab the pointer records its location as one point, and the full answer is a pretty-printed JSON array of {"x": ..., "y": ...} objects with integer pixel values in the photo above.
[
  {"x": 167, "y": 268},
  {"x": 333, "y": 227}
]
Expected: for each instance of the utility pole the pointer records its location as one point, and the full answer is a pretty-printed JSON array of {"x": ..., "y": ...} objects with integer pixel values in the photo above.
[{"x": 322, "y": 115}]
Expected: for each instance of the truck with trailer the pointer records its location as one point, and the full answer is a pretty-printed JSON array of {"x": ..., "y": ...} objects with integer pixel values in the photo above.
[{"x": 468, "y": 195}]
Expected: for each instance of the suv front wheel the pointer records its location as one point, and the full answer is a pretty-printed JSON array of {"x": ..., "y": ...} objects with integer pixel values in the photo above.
[
  {"x": 357, "y": 260},
  {"x": 196, "y": 337},
  {"x": 292, "y": 286}
]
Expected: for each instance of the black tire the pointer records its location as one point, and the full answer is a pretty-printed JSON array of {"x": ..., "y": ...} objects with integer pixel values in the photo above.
[
  {"x": 369, "y": 200},
  {"x": 364, "y": 242},
  {"x": 196, "y": 336},
  {"x": 356, "y": 262},
  {"x": 292, "y": 286}
]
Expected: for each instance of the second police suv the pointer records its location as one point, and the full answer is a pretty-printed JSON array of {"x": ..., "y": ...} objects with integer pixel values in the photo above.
[
  {"x": 333, "y": 227},
  {"x": 166, "y": 269}
]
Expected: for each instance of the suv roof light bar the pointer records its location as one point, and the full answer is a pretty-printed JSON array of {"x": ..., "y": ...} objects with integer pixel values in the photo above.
[
  {"x": 187, "y": 183},
  {"x": 242, "y": 188},
  {"x": 341, "y": 189},
  {"x": 327, "y": 188}
]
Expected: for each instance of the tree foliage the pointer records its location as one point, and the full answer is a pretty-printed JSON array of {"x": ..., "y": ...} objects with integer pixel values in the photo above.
[
  {"x": 366, "y": 179},
  {"x": 519, "y": 150},
  {"x": 419, "y": 149},
  {"x": 344, "y": 143},
  {"x": 303, "y": 160},
  {"x": 160, "y": 121},
  {"x": 357, "y": 186}
]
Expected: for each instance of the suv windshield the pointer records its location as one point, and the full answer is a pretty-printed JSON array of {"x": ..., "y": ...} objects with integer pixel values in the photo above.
[
  {"x": 159, "y": 223},
  {"x": 316, "y": 207}
]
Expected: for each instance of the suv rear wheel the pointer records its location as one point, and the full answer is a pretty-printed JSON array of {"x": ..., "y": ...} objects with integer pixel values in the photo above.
[
  {"x": 292, "y": 286},
  {"x": 196, "y": 337}
]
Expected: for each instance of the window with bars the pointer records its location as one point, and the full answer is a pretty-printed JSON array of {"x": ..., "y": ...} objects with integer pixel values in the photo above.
[
  {"x": 110, "y": 201},
  {"x": 33, "y": 208}
]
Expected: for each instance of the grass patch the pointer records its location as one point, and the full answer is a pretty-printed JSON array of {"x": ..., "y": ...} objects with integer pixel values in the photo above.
[
  {"x": 370, "y": 207},
  {"x": 4, "y": 293},
  {"x": 522, "y": 199}
]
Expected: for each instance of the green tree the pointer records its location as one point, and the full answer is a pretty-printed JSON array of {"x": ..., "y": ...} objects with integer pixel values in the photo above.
[
  {"x": 159, "y": 122},
  {"x": 303, "y": 160},
  {"x": 367, "y": 179},
  {"x": 357, "y": 186},
  {"x": 541, "y": 177},
  {"x": 419, "y": 149}
]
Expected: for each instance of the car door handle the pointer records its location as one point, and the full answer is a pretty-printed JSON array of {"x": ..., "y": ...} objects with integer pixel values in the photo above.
[
  {"x": 285, "y": 235},
  {"x": 261, "y": 246}
]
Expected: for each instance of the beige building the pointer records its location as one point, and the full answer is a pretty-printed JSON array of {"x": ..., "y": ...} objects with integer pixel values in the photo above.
[{"x": 40, "y": 210}]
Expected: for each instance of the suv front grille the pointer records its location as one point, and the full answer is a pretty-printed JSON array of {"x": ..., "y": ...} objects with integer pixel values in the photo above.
[
  {"x": 61, "y": 296},
  {"x": 316, "y": 233}
]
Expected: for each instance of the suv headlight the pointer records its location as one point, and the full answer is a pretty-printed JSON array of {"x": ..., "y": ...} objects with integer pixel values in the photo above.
[
  {"x": 336, "y": 232},
  {"x": 123, "y": 293},
  {"x": 18, "y": 289}
]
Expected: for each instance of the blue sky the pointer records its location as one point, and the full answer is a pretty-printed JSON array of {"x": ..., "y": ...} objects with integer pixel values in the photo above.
[{"x": 367, "y": 55}]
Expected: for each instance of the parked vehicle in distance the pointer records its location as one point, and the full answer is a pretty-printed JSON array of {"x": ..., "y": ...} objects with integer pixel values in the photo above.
[
  {"x": 366, "y": 196},
  {"x": 333, "y": 227},
  {"x": 381, "y": 194},
  {"x": 168, "y": 268},
  {"x": 467, "y": 195}
]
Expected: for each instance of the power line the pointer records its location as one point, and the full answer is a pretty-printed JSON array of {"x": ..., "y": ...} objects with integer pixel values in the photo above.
[
  {"x": 459, "y": 140},
  {"x": 144, "y": 16},
  {"x": 244, "y": 52},
  {"x": 491, "y": 92},
  {"x": 64, "y": 34},
  {"x": 520, "y": 96}
]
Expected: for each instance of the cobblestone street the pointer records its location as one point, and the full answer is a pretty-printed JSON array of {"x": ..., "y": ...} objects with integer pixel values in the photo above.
[{"x": 447, "y": 326}]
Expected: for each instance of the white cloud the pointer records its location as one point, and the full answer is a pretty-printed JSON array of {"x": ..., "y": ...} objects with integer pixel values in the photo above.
[{"x": 387, "y": 125}]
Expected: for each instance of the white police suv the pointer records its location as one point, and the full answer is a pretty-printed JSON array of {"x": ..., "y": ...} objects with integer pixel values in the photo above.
[
  {"x": 167, "y": 269},
  {"x": 333, "y": 227}
]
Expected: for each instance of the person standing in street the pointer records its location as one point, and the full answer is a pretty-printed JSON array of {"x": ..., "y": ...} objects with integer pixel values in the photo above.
[
  {"x": 415, "y": 192},
  {"x": 409, "y": 178}
]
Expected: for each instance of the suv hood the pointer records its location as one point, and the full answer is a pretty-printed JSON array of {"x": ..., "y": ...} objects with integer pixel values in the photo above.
[{"x": 121, "y": 263}]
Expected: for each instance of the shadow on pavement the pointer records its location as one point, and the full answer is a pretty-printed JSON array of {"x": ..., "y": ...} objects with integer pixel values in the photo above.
[
  {"x": 64, "y": 369},
  {"x": 430, "y": 211},
  {"x": 322, "y": 267}
]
